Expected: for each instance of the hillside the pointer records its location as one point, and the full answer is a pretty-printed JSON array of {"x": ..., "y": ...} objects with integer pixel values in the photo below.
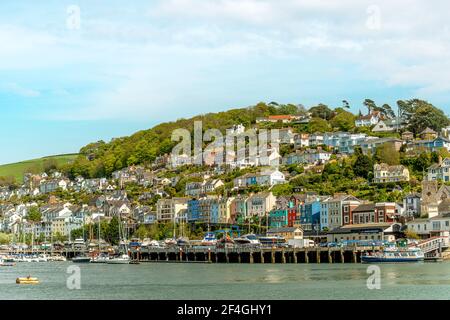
[
  {"x": 100, "y": 159},
  {"x": 144, "y": 146},
  {"x": 17, "y": 169}
]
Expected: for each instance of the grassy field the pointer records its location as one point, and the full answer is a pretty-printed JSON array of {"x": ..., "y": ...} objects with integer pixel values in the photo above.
[{"x": 19, "y": 168}]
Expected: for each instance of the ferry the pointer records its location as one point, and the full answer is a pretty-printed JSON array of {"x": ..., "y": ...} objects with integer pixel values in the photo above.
[{"x": 394, "y": 254}]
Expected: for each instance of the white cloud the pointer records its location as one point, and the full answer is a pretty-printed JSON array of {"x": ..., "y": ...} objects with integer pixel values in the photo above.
[
  {"x": 19, "y": 90},
  {"x": 153, "y": 63}
]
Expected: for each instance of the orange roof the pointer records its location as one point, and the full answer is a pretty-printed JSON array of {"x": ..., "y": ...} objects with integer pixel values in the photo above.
[{"x": 281, "y": 117}]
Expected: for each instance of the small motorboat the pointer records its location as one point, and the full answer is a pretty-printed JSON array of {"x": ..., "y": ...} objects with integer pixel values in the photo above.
[
  {"x": 5, "y": 263},
  {"x": 81, "y": 259},
  {"x": 27, "y": 280}
]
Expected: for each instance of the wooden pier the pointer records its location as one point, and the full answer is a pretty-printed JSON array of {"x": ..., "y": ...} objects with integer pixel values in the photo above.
[
  {"x": 251, "y": 255},
  {"x": 235, "y": 254}
]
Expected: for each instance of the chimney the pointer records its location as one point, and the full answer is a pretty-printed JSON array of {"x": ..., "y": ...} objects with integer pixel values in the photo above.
[{"x": 440, "y": 159}]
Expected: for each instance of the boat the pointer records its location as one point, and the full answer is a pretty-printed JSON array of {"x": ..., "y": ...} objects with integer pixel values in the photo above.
[
  {"x": 225, "y": 242},
  {"x": 5, "y": 263},
  {"x": 27, "y": 280},
  {"x": 101, "y": 258},
  {"x": 170, "y": 242},
  {"x": 209, "y": 239},
  {"x": 394, "y": 254},
  {"x": 122, "y": 259},
  {"x": 247, "y": 239},
  {"x": 81, "y": 259},
  {"x": 57, "y": 258},
  {"x": 272, "y": 241},
  {"x": 183, "y": 241}
]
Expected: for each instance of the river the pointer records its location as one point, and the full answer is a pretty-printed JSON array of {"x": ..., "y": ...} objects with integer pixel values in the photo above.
[{"x": 226, "y": 281}]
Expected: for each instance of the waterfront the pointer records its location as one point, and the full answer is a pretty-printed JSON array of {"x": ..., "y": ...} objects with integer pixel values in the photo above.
[{"x": 228, "y": 281}]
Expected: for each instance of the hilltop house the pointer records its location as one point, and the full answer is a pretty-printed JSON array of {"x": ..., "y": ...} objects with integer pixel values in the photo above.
[{"x": 368, "y": 120}]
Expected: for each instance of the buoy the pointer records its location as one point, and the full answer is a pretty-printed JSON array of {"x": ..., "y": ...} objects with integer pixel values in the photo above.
[{"x": 27, "y": 280}]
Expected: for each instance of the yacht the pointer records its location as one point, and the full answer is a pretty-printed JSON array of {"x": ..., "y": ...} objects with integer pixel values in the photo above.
[
  {"x": 247, "y": 239},
  {"x": 123, "y": 259},
  {"x": 395, "y": 254}
]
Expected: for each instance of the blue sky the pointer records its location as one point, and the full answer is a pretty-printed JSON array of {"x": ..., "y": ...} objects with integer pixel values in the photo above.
[{"x": 73, "y": 72}]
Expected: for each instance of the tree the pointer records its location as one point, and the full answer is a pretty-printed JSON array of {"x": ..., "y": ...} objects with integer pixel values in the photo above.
[
  {"x": 112, "y": 232},
  {"x": 49, "y": 165},
  {"x": 34, "y": 215},
  {"x": 363, "y": 164},
  {"x": 5, "y": 238},
  {"x": 344, "y": 120},
  {"x": 321, "y": 111},
  {"x": 141, "y": 232},
  {"x": 387, "y": 111},
  {"x": 318, "y": 125},
  {"x": 426, "y": 115},
  {"x": 370, "y": 105},
  {"x": 388, "y": 154}
]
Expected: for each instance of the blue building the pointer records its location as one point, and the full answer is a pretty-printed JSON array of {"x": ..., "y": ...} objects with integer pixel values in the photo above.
[
  {"x": 193, "y": 211},
  {"x": 310, "y": 214},
  {"x": 203, "y": 210}
]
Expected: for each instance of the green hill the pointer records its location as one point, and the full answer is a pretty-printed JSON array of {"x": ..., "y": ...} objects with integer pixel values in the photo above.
[
  {"x": 144, "y": 146},
  {"x": 17, "y": 169}
]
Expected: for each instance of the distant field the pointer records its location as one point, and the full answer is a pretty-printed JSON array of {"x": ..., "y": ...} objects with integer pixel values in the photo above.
[{"x": 19, "y": 168}]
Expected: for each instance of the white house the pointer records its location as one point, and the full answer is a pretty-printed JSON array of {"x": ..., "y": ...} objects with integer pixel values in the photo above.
[{"x": 368, "y": 120}]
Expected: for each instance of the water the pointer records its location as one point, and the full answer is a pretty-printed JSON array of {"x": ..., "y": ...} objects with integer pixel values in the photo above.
[{"x": 227, "y": 281}]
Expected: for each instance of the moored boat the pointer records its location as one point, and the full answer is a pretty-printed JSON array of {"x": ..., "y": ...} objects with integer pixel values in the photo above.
[
  {"x": 27, "y": 280},
  {"x": 247, "y": 239},
  {"x": 100, "y": 259},
  {"x": 81, "y": 259},
  {"x": 209, "y": 239},
  {"x": 123, "y": 259},
  {"x": 395, "y": 255}
]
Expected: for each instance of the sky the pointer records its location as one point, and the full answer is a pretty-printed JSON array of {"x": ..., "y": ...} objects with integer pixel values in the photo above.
[{"x": 75, "y": 72}]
